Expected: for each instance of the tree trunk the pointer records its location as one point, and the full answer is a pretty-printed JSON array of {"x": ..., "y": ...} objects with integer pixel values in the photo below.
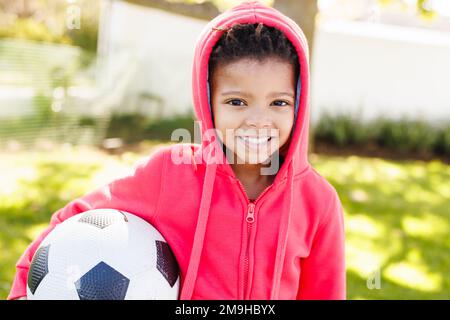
[{"x": 303, "y": 12}]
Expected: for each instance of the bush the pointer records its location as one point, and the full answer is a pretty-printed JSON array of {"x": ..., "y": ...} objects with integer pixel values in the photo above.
[
  {"x": 42, "y": 105},
  {"x": 128, "y": 127},
  {"x": 30, "y": 29},
  {"x": 442, "y": 145},
  {"x": 400, "y": 136},
  {"x": 342, "y": 130},
  {"x": 85, "y": 37},
  {"x": 406, "y": 135},
  {"x": 134, "y": 127},
  {"x": 162, "y": 129},
  {"x": 55, "y": 31}
]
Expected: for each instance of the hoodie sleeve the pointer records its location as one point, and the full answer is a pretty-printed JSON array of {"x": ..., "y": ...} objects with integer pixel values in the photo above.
[
  {"x": 323, "y": 274},
  {"x": 137, "y": 193}
]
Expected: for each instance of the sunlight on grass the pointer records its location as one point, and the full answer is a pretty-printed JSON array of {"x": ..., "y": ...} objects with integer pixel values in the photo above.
[
  {"x": 391, "y": 172},
  {"x": 34, "y": 231},
  {"x": 363, "y": 262},
  {"x": 413, "y": 273},
  {"x": 109, "y": 169},
  {"x": 359, "y": 195},
  {"x": 417, "y": 194},
  {"x": 364, "y": 256},
  {"x": 426, "y": 226},
  {"x": 11, "y": 174},
  {"x": 363, "y": 225},
  {"x": 365, "y": 250}
]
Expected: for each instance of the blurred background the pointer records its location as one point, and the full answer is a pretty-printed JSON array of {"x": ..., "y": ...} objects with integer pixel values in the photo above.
[{"x": 89, "y": 87}]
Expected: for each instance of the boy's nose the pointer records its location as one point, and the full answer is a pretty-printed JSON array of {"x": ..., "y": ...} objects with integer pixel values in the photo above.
[{"x": 259, "y": 120}]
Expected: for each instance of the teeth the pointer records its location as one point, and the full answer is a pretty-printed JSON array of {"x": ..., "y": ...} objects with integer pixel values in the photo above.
[{"x": 255, "y": 140}]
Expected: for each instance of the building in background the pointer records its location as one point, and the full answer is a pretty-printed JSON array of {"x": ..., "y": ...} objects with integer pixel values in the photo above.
[{"x": 371, "y": 61}]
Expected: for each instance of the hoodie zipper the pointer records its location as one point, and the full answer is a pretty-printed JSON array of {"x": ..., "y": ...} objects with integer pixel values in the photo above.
[{"x": 250, "y": 219}]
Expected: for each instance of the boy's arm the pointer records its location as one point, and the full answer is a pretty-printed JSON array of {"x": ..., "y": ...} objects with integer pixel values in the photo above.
[
  {"x": 323, "y": 274},
  {"x": 137, "y": 193}
]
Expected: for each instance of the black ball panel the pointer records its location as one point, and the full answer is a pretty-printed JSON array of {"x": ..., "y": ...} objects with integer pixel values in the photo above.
[
  {"x": 102, "y": 283},
  {"x": 101, "y": 220},
  {"x": 166, "y": 262},
  {"x": 38, "y": 268}
]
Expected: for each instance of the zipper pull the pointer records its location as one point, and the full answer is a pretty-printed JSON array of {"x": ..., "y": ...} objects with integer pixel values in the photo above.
[{"x": 250, "y": 213}]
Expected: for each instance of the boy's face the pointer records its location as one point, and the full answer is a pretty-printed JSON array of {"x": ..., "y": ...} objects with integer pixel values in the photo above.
[{"x": 253, "y": 106}]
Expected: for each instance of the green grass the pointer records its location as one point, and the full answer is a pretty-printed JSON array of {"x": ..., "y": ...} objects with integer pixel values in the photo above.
[
  {"x": 397, "y": 217},
  {"x": 397, "y": 225}
]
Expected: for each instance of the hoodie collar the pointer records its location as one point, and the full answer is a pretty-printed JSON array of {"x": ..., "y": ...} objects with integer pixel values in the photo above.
[{"x": 296, "y": 160}]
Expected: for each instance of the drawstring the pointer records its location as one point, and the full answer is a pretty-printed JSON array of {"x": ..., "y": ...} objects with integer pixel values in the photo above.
[
  {"x": 193, "y": 162},
  {"x": 200, "y": 230},
  {"x": 282, "y": 236}
]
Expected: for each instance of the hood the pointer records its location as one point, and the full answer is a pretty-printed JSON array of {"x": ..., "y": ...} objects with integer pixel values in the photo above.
[{"x": 296, "y": 159}]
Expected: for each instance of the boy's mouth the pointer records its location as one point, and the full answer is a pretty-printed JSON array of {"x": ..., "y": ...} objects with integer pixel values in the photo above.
[{"x": 254, "y": 142}]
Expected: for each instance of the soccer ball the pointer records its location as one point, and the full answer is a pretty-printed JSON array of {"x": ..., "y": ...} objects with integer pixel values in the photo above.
[{"x": 103, "y": 254}]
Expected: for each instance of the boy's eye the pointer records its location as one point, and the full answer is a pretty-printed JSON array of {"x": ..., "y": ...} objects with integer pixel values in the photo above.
[
  {"x": 281, "y": 101},
  {"x": 235, "y": 102}
]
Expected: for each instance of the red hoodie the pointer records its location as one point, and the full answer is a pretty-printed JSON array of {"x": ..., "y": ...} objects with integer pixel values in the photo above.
[{"x": 287, "y": 244}]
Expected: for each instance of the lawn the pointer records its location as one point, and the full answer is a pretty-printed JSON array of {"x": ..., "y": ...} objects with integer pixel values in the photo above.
[{"x": 397, "y": 213}]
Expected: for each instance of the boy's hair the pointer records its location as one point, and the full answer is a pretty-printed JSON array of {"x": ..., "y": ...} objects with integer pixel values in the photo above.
[{"x": 256, "y": 41}]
